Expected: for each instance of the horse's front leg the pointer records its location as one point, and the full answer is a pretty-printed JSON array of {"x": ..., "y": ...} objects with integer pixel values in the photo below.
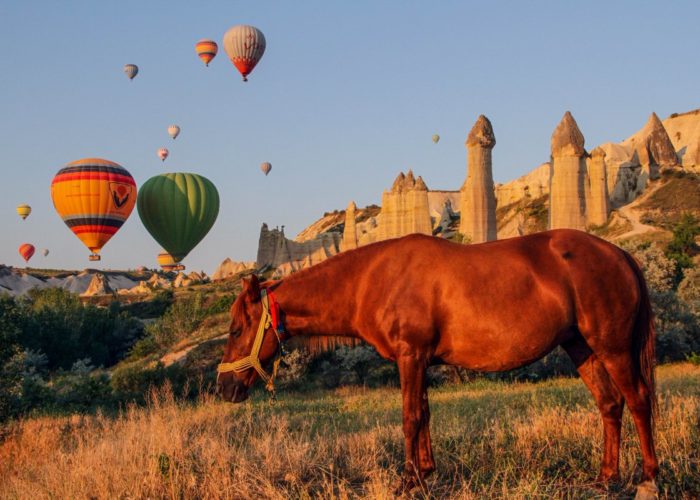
[{"x": 416, "y": 419}]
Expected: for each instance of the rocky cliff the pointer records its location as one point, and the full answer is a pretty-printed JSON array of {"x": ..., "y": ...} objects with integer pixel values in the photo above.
[{"x": 405, "y": 208}]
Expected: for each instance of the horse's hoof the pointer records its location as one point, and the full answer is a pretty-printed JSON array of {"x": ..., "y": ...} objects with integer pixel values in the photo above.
[{"x": 647, "y": 491}]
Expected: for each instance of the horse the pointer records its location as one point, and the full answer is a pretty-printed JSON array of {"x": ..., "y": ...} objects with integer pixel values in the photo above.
[{"x": 495, "y": 306}]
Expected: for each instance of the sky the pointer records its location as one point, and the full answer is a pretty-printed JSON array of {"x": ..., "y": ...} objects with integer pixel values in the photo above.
[{"x": 346, "y": 96}]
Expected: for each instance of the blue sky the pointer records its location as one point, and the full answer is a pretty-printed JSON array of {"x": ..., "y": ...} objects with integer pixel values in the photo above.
[{"x": 347, "y": 95}]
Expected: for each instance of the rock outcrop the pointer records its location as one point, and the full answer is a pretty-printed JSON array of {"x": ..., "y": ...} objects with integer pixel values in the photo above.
[
  {"x": 597, "y": 203},
  {"x": 534, "y": 184},
  {"x": 229, "y": 268},
  {"x": 478, "y": 199},
  {"x": 274, "y": 249},
  {"x": 99, "y": 285},
  {"x": 569, "y": 177},
  {"x": 349, "y": 229},
  {"x": 405, "y": 208},
  {"x": 653, "y": 148}
]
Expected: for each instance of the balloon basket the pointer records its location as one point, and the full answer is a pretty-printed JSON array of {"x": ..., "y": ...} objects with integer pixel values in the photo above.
[{"x": 93, "y": 257}]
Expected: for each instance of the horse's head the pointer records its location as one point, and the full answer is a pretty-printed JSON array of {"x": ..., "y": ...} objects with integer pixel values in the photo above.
[{"x": 251, "y": 345}]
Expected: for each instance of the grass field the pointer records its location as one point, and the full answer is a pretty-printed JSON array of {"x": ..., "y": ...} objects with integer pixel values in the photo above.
[{"x": 491, "y": 440}]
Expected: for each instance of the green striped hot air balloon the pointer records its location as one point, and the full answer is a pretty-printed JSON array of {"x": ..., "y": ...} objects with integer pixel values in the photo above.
[{"x": 178, "y": 210}]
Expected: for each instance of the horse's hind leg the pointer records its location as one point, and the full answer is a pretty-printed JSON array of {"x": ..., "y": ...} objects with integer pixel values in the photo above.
[
  {"x": 625, "y": 373},
  {"x": 608, "y": 399}
]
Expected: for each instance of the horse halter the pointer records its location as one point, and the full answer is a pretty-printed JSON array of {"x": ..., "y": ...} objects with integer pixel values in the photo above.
[{"x": 269, "y": 317}]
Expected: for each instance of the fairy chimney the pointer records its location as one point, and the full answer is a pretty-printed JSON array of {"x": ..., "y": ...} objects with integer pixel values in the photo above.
[
  {"x": 405, "y": 208},
  {"x": 478, "y": 198},
  {"x": 350, "y": 230},
  {"x": 597, "y": 204},
  {"x": 568, "y": 176},
  {"x": 654, "y": 148}
]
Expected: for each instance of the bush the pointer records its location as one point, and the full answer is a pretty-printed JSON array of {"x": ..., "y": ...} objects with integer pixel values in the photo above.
[
  {"x": 132, "y": 382},
  {"x": 682, "y": 247}
]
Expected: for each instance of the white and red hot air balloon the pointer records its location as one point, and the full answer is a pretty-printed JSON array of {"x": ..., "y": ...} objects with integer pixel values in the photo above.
[
  {"x": 163, "y": 154},
  {"x": 244, "y": 45},
  {"x": 173, "y": 131}
]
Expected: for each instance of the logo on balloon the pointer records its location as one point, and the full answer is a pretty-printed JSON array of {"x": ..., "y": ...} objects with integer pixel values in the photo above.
[{"x": 120, "y": 193}]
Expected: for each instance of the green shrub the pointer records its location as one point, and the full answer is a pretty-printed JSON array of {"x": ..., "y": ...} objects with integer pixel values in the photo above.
[{"x": 132, "y": 382}]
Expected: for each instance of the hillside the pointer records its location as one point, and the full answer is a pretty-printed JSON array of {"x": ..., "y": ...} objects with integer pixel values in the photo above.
[{"x": 491, "y": 440}]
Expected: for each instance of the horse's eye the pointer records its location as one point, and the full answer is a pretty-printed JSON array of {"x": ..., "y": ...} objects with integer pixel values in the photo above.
[{"x": 236, "y": 334}]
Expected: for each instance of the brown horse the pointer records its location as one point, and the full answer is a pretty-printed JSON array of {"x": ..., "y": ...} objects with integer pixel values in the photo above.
[{"x": 495, "y": 306}]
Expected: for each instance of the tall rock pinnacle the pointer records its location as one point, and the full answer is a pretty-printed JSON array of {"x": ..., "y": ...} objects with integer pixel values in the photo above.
[
  {"x": 350, "y": 231},
  {"x": 597, "y": 202},
  {"x": 568, "y": 176},
  {"x": 654, "y": 147},
  {"x": 478, "y": 199}
]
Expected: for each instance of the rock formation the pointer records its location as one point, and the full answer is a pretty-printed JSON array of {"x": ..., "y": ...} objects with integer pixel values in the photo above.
[
  {"x": 569, "y": 177},
  {"x": 275, "y": 249},
  {"x": 653, "y": 148},
  {"x": 405, "y": 208},
  {"x": 229, "y": 268},
  {"x": 478, "y": 199},
  {"x": 98, "y": 286},
  {"x": 597, "y": 203},
  {"x": 446, "y": 222},
  {"x": 350, "y": 229}
]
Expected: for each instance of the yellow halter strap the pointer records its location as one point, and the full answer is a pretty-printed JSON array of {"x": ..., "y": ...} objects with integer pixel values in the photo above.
[{"x": 253, "y": 359}]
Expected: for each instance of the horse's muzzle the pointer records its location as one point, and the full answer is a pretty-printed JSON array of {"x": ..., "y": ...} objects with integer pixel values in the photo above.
[{"x": 232, "y": 390}]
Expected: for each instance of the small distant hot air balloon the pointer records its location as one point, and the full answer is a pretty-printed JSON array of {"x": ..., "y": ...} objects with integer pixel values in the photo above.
[
  {"x": 436, "y": 138},
  {"x": 178, "y": 209},
  {"x": 173, "y": 131},
  {"x": 163, "y": 154},
  {"x": 131, "y": 70},
  {"x": 206, "y": 50},
  {"x": 266, "y": 167},
  {"x": 244, "y": 45},
  {"x": 94, "y": 197},
  {"x": 24, "y": 211},
  {"x": 45, "y": 252},
  {"x": 26, "y": 250}
]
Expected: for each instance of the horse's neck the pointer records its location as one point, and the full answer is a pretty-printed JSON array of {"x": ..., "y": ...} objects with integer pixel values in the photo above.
[{"x": 313, "y": 306}]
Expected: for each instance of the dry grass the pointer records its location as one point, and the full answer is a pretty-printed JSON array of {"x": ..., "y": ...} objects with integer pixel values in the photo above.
[{"x": 491, "y": 440}]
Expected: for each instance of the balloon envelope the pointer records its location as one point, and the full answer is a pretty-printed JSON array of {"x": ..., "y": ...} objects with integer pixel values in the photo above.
[
  {"x": 24, "y": 211},
  {"x": 26, "y": 250},
  {"x": 131, "y": 70},
  {"x": 94, "y": 197},
  {"x": 436, "y": 138},
  {"x": 45, "y": 252},
  {"x": 163, "y": 154},
  {"x": 173, "y": 131},
  {"x": 266, "y": 167},
  {"x": 178, "y": 209},
  {"x": 206, "y": 50},
  {"x": 244, "y": 45}
]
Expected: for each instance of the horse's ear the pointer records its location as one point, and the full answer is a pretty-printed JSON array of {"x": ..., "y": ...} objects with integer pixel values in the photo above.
[{"x": 251, "y": 286}]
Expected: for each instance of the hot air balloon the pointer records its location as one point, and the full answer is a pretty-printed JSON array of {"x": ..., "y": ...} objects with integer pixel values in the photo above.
[
  {"x": 131, "y": 70},
  {"x": 266, "y": 167},
  {"x": 45, "y": 252},
  {"x": 178, "y": 209},
  {"x": 26, "y": 250},
  {"x": 436, "y": 138},
  {"x": 24, "y": 211},
  {"x": 94, "y": 197},
  {"x": 163, "y": 154},
  {"x": 167, "y": 263},
  {"x": 173, "y": 131},
  {"x": 206, "y": 50},
  {"x": 244, "y": 46}
]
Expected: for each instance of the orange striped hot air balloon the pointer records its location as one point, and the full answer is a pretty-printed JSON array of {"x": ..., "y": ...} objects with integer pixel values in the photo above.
[
  {"x": 206, "y": 50},
  {"x": 26, "y": 250},
  {"x": 94, "y": 197}
]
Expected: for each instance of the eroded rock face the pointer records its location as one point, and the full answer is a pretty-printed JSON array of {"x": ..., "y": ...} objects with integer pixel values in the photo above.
[
  {"x": 478, "y": 198},
  {"x": 653, "y": 147},
  {"x": 405, "y": 209},
  {"x": 569, "y": 176},
  {"x": 350, "y": 228},
  {"x": 229, "y": 268},
  {"x": 99, "y": 285},
  {"x": 597, "y": 203},
  {"x": 275, "y": 249}
]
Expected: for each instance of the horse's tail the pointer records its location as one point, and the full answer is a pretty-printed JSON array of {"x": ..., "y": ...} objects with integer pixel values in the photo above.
[{"x": 645, "y": 336}]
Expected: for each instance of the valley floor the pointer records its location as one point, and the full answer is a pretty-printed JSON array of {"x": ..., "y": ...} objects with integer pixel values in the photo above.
[{"x": 491, "y": 440}]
